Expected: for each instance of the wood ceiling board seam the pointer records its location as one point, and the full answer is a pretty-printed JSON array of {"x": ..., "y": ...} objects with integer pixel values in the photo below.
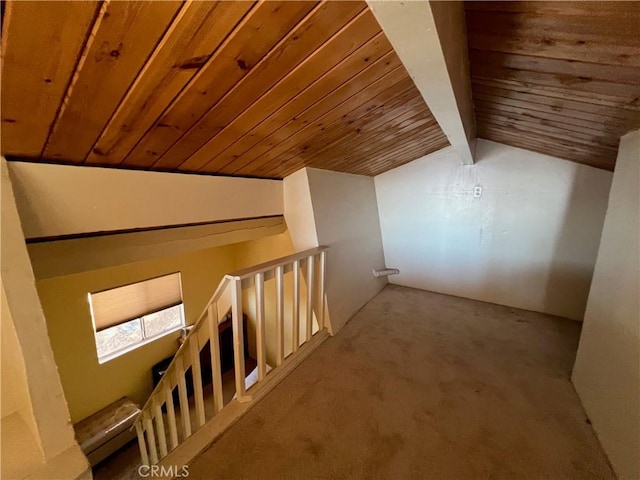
[
  {"x": 359, "y": 166},
  {"x": 324, "y": 159},
  {"x": 545, "y": 46},
  {"x": 261, "y": 32},
  {"x": 527, "y": 143},
  {"x": 604, "y": 100},
  {"x": 348, "y": 40},
  {"x": 606, "y": 144},
  {"x": 414, "y": 127},
  {"x": 298, "y": 45},
  {"x": 161, "y": 79},
  {"x": 552, "y": 125},
  {"x": 548, "y": 143},
  {"x": 526, "y": 113},
  {"x": 329, "y": 132},
  {"x": 361, "y": 131},
  {"x": 571, "y": 27},
  {"x": 375, "y": 71},
  {"x": 399, "y": 158},
  {"x": 123, "y": 38},
  {"x": 33, "y": 37},
  {"x": 388, "y": 157},
  {"x": 336, "y": 140},
  {"x": 376, "y": 93},
  {"x": 368, "y": 159},
  {"x": 555, "y": 104},
  {"x": 553, "y": 133},
  {"x": 568, "y": 82},
  {"x": 561, "y": 8},
  {"x": 418, "y": 128},
  {"x": 565, "y": 143},
  {"x": 560, "y": 112},
  {"x": 604, "y": 73},
  {"x": 340, "y": 74},
  {"x": 311, "y": 116}
]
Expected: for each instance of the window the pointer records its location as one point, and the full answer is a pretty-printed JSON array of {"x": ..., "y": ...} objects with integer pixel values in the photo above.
[{"x": 127, "y": 317}]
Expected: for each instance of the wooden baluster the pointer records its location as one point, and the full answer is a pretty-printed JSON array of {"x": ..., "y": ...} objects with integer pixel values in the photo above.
[
  {"x": 142, "y": 444},
  {"x": 196, "y": 373},
  {"x": 171, "y": 413},
  {"x": 296, "y": 305},
  {"x": 162, "y": 438},
  {"x": 148, "y": 426},
  {"x": 279, "y": 315},
  {"x": 310, "y": 287},
  {"x": 323, "y": 287},
  {"x": 216, "y": 369},
  {"x": 238, "y": 340},
  {"x": 184, "y": 400},
  {"x": 260, "y": 331}
]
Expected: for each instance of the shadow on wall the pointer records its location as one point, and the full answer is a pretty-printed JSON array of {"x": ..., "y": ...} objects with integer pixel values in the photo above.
[
  {"x": 528, "y": 239},
  {"x": 569, "y": 279}
]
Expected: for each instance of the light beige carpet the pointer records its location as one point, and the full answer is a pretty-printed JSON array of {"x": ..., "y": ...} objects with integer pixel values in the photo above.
[{"x": 422, "y": 385}]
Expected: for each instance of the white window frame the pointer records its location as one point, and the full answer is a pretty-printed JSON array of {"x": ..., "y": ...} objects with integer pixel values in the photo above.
[{"x": 145, "y": 340}]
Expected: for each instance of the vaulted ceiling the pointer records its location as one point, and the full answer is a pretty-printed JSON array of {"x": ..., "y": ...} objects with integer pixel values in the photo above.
[
  {"x": 265, "y": 88},
  {"x": 239, "y": 88},
  {"x": 560, "y": 78}
]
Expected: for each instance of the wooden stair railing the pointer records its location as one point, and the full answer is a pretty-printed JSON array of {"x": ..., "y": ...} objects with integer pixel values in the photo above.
[{"x": 158, "y": 429}]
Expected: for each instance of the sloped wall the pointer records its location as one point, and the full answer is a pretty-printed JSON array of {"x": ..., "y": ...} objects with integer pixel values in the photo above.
[
  {"x": 338, "y": 210},
  {"x": 607, "y": 370},
  {"x": 55, "y": 200}
]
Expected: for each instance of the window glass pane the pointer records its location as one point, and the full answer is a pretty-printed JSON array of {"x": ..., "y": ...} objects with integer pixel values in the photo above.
[
  {"x": 161, "y": 321},
  {"x": 116, "y": 338}
]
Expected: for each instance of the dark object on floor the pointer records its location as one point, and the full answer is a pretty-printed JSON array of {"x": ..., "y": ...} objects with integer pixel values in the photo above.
[{"x": 226, "y": 357}]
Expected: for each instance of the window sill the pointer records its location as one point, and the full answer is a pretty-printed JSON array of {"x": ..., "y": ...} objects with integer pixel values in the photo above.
[{"x": 111, "y": 356}]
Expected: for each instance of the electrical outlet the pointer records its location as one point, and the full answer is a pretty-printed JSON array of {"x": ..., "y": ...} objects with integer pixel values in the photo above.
[{"x": 477, "y": 192}]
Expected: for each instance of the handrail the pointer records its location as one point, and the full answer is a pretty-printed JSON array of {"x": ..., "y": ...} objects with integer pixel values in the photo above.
[
  {"x": 156, "y": 442},
  {"x": 279, "y": 262},
  {"x": 222, "y": 286}
]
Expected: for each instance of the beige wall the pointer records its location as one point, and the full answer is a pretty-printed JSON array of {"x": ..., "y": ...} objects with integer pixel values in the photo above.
[
  {"x": 253, "y": 253},
  {"x": 530, "y": 241},
  {"x": 607, "y": 369},
  {"x": 62, "y": 200},
  {"x": 89, "y": 385},
  {"x": 15, "y": 391},
  {"x": 338, "y": 210},
  {"x": 37, "y": 434}
]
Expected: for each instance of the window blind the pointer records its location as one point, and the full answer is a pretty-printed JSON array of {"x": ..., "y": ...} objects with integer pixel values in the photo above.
[{"x": 119, "y": 305}]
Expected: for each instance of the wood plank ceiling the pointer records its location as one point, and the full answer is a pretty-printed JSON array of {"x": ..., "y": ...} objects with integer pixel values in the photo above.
[
  {"x": 559, "y": 78},
  {"x": 237, "y": 88}
]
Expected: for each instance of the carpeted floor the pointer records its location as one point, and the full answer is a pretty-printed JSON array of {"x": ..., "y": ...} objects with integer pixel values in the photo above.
[{"x": 422, "y": 385}]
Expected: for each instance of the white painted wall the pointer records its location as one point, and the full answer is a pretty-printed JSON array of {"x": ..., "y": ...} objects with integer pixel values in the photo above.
[
  {"x": 340, "y": 209},
  {"x": 607, "y": 369},
  {"x": 530, "y": 241},
  {"x": 58, "y": 200}
]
